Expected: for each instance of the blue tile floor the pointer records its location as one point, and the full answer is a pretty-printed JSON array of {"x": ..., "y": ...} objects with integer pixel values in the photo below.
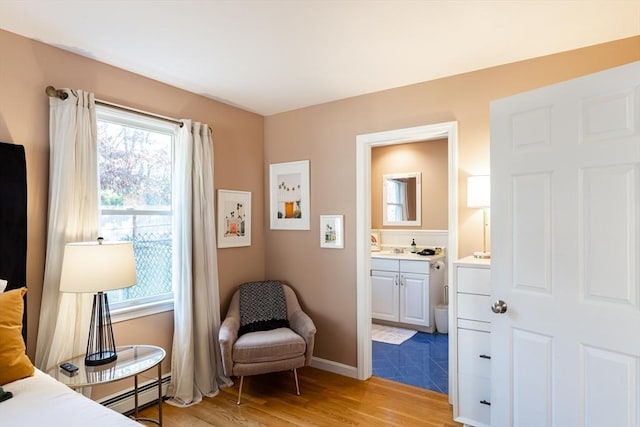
[{"x": 422, "y": 360}]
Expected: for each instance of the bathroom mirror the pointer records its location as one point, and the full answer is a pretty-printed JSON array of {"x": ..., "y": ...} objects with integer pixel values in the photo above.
[{"x": 401, "y": 201}]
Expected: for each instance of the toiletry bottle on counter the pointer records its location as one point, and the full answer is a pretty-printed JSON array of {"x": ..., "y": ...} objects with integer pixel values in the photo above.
[{"x": 413, "y": 246}]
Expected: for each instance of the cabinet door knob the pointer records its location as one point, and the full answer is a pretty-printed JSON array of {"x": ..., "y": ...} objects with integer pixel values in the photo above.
[
  {"x": 484, "y": 356},
  {"x": 499, "y": 307},
  {"x": 484, "y": 402}
]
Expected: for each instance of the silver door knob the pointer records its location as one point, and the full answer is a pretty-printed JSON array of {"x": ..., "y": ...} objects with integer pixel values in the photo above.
[{"x": 499, "y": 307}]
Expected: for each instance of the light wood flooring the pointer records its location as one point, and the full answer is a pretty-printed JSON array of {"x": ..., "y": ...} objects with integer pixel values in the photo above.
[{"x": 326, "y": 399}]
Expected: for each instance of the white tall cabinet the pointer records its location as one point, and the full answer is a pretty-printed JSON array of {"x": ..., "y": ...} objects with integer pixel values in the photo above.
[{"x": 471, "y": 352}]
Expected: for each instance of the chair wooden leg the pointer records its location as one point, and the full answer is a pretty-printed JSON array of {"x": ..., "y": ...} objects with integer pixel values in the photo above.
[
  {"x": 295, "y": 375},
  {"x": 240, "y": 390}
]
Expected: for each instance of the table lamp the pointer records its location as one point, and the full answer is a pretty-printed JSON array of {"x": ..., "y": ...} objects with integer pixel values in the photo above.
[
  {"x": 479, "y": 196},
  {"x": 98, "y": 267}
]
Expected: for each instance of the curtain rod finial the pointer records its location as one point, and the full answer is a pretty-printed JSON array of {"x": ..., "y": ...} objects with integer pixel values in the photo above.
[{"x": 52, "y": 91}]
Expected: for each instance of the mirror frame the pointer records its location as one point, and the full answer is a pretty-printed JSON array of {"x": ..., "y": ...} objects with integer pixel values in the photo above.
[{"x": 418, "y": 201}]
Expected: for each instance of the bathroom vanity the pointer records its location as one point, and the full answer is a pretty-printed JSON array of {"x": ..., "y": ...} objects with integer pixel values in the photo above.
[{"x": 406, "y": 287}]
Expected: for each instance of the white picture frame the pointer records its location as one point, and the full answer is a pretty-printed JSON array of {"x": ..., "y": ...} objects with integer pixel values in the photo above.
[
  {"x": 332, "y": 231},
  {"x": 234, "y": 218},
  {"x": 289, "y": 196}
]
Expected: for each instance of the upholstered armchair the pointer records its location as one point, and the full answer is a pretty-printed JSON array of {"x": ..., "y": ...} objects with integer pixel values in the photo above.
[{"x": 259, "y": 335}]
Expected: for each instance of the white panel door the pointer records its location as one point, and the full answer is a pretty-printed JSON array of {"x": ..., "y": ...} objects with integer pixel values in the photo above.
[{"x": 565, "y": 181}]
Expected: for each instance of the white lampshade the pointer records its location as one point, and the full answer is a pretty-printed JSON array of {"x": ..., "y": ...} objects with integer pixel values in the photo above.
[
  {"x": 479, "y": 191},
  {"x": 97, "y": 267}
]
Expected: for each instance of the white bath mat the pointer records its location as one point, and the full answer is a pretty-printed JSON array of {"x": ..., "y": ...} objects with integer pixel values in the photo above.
[{"x": 390, "y": 334}]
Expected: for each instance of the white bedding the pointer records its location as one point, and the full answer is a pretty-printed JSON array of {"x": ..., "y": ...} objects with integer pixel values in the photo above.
[{"x": 42, "y": 401}]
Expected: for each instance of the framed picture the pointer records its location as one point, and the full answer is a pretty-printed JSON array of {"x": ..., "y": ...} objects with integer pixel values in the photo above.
[
  {"x": 234, "y": 218},
  {"x": 289, "y": 195},
  {"x": 331, "y": 231},
  {"x": 375, "y": 241}
]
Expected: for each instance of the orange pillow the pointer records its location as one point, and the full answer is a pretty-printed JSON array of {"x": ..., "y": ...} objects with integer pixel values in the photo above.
[{"x": 14, "y": 363}]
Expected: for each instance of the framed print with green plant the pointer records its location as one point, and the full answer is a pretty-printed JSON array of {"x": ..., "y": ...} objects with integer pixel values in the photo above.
[
  {"x": 289, "y": 195},
  {"x": 331, "y": 231},
  {"x": 234, "y": 218}
]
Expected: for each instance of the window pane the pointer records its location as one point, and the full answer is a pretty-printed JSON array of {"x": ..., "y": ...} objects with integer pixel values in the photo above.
[
  {"x": 394, "y": 212},
  {"x": 393, "y": 191},
  {"x": 151, "y": 237},
  {"x": 135, "y": 167}
]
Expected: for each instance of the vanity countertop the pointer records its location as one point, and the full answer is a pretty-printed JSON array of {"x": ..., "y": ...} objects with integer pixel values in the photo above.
[{"x": 406, "y": 256}]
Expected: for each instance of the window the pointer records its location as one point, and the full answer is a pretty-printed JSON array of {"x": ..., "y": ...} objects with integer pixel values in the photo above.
[
  {"x": 396, "y": 191},
  {"x": 135, "y": 163}
]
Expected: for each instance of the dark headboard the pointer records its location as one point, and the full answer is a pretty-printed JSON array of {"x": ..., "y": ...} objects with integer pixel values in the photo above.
[{"x": 13, "y": 219}]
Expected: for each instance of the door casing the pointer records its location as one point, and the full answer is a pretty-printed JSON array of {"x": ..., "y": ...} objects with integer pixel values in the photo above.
[{"x": 364, "y": 143}]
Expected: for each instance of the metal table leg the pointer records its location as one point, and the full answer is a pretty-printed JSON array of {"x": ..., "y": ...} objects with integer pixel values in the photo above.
[{"x": 135, "y": 393}]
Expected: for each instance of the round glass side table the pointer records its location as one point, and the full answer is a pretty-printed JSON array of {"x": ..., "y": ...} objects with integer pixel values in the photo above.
[{"x": 132, "y": 360}]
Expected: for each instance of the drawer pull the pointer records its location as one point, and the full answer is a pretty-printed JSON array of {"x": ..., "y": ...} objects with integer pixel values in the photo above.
[
  {"x": 484, "y": 402},
  {"x": 484, "y": 356}
]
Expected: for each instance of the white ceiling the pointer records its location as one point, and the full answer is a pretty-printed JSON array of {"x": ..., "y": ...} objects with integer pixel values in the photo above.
[{"x": 272, "y": 56}]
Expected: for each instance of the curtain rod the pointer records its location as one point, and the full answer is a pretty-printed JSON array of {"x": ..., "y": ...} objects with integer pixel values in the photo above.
[{"x": 59, "y": 93}]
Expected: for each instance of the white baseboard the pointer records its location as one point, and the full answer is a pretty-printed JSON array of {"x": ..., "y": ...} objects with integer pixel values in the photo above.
[
  {"x": 123, "y": 401},
  {"x": 335, "y": 367}
]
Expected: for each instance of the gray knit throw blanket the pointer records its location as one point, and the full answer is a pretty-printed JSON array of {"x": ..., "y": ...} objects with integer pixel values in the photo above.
[{"x": 262, "y": 307}]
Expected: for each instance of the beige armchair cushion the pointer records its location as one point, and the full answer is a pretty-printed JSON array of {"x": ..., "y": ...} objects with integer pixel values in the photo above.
[{"x": 268, "y": 346}]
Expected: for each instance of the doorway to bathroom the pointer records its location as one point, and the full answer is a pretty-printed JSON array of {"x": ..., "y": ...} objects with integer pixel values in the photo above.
[
  {"x": 409, "y": 213},
  {"x": 417, "y": 353}
]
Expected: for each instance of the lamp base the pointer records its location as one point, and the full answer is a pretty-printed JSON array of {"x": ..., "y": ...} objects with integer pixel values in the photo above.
[
  {"x": 101, "y": 348},
  {"x": 482, "y": 255},
  {"x": 99, "y": 359}
]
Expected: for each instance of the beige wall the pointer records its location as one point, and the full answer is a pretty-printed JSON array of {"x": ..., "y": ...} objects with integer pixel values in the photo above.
[
  {"x": 27, "y": 67},
  {"x": 326, "y": 134},
  {"x": 430, "y": 158}
]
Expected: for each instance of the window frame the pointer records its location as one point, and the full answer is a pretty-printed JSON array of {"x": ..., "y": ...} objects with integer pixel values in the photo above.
[{"x": 133, "y": 309}]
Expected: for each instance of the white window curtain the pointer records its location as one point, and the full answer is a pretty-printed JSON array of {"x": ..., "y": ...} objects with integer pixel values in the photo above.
[
  {"x": 196, "y": 365},
  {"x": 73, "y": 217},
  {"x": 404, "y": 199}
]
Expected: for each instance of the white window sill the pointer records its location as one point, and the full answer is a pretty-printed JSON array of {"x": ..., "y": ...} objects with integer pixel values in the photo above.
[{"x": 140, "y": 310}]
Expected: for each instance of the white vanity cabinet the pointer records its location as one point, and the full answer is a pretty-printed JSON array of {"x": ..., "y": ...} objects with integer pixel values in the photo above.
[
  {"x": 472, "y": 278},
  {"x": 385, "y": 289},
  {"x": 401, "y": 291}
]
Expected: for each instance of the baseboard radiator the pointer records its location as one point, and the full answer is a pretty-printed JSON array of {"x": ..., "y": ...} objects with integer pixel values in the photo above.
[{"x": 124, "y": 400}]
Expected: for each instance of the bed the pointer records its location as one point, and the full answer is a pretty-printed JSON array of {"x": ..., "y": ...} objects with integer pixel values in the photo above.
[{"x": 38, "y": 399}]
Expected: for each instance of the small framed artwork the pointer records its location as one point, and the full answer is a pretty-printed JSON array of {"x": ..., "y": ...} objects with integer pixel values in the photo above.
[
  {"x": 331, "y": 231},
  {"x": 289, "y": 195},
  {"x": 375, "y": 241},
  {"x": 234, "y": 218}
]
